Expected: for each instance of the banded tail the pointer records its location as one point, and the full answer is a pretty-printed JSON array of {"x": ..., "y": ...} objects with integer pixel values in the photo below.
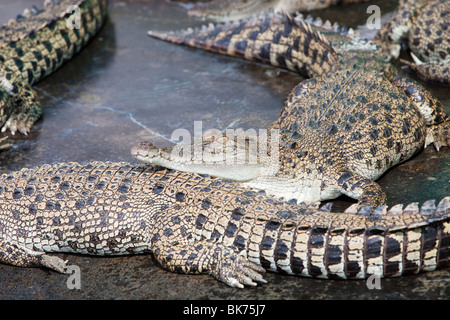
[
  {"x": 276, "y": 39},
  {"x": 355, "y": 245}
]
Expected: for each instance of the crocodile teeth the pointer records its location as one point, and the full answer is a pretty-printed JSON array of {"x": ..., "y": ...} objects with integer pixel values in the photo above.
[
  {"x": 395, "y": 210},
  {"x": 411, "y": 208},
  {"x": 428, "y": 207}
]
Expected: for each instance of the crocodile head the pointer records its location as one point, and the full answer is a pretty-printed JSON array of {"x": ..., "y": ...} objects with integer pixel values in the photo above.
[{"x": 207, "y": 162}]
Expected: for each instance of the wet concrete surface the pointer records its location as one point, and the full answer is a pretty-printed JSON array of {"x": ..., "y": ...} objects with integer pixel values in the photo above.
[{"x": 125, "y": 87}]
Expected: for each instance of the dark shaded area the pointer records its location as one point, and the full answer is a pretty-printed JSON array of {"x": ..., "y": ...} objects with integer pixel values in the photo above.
[{"x": 125, "y": 87}]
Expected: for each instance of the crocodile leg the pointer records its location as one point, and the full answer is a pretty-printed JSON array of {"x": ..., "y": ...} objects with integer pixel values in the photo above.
[
  {"x": 222, "y": 262},
  {"x": 393, "y": 31},
  {"x": 424, "y": 24},
  {"x": 174, "y": 248},
  {"x": 436, "y": 119},
  {"x": 438, "y": 135},
  {"x": 26, "y": 112},
  {"x": 437, "y": 72},
  {"x": 22, "y": 257},
  {"x": 429, "y": 42},
  {"x": 367, "y": 192}
]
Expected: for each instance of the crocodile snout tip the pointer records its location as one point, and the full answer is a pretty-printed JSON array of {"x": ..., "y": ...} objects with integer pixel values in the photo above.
[{"x": 142, "y": 148}]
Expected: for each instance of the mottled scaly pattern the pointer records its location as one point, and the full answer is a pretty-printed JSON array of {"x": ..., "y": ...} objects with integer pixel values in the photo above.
[
  {"x": 36, "y": 44},
  {"x": 425, "y": 26},
  {"x": 196, "y": 224},
  {"x": 231, "y": 10},
  {"x": 340, "y": 130}
]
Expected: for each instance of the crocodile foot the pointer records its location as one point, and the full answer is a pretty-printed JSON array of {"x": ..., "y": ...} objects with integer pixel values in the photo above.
[
  {"x": 437, "y": 72},
  {"x": 438, "y": 135},
  {"x": 235, "y": 270},
  {"x": 19, "y": 122},
  {"x": 54, "y": 263}
]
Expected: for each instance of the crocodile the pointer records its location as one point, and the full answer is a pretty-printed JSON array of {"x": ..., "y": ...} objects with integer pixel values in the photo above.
[
  {"x": 196, "y": 224},
  {"x": 229, "y": 10},
  {"x": 33, "y": 46},
  {"x": 426, "y": 26},
  {"x": 340, "y": 130}
]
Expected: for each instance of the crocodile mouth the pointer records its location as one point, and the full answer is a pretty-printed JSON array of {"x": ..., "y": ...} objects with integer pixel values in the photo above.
[{"x": 169, "y": 157}]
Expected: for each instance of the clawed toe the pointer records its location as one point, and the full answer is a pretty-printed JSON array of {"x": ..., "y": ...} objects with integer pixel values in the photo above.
[
  {"x": 54, "y": 263},
  {"x": 236, "y": 271},
  {"x": 14, "y": 124}
]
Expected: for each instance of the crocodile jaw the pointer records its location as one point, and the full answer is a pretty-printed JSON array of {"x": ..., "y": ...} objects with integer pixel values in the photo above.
[
  {"x": 148, "y": 153},
  {"x": 239, "y": 173}
]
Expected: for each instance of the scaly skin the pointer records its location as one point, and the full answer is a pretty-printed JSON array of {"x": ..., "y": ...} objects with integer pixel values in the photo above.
[
  {"x": 194, "y": 224},
  {"x": 35, "y": 45},
  {"x": 340, "y": 130},
  {"x": 426, "y": 27},
  {"x": 231, "y": 10}
]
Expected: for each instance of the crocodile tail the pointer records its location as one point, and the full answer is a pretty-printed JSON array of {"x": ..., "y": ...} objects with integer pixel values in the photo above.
[
  {"x": 275, "y": 38},
  {"x": 357, "y": 245}
]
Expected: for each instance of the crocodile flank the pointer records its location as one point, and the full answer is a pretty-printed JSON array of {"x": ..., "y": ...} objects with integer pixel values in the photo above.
[
  {"x": 36, "y": 44},
  {"x": 196, "y": 224},
  {"x": 340, "y": 130}
]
